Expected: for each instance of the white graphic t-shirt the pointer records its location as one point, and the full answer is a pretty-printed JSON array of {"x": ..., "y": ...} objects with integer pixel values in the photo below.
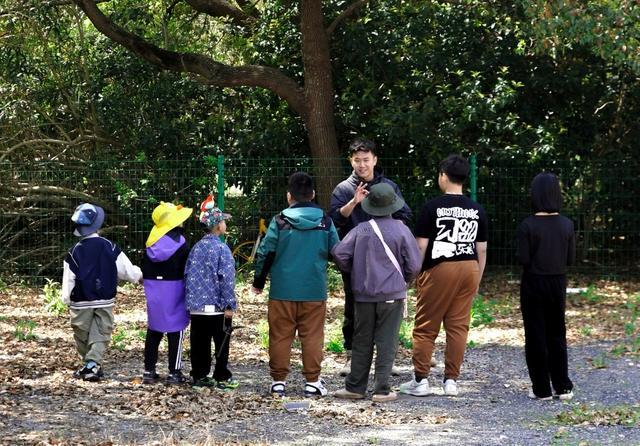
[{"x": 453, "y": 224}]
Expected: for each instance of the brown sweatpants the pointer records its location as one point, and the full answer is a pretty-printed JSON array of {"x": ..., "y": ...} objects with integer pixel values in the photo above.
[
  {"x": 285, "y": 318},
  {"x": 445, "y": 295}
]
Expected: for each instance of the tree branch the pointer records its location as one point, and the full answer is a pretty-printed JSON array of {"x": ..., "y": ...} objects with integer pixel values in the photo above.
[
  {"x": 344, "y": 15},
  {"x": 208, "y": 70},
  {"x": 221, "y": 8}
]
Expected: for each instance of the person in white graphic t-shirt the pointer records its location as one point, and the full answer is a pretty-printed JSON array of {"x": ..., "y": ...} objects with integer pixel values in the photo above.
[{"x": 451, "y": 232}]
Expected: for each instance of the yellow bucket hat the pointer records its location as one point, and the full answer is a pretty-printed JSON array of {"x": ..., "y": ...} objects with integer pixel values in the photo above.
[{"x": 166, "y": 216}]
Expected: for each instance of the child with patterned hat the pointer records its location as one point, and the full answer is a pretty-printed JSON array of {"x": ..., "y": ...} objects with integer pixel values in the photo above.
[
  {"x": 163, "y": 271},
  {"x": 211, "y": 301},
  {"x": 91, "y": 271}
]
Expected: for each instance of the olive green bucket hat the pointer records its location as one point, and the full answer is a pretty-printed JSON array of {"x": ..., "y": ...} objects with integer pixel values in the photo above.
[{"x": 382, "y": 200}]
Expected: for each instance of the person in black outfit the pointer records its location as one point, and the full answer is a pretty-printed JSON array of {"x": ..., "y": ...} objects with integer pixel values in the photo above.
[{"x": 546, "y": 246}]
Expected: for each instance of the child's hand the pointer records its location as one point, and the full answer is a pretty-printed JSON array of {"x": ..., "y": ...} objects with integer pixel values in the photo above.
[
  {"x": 256, "y": 290},
  {"x": 228, "y": 314}
]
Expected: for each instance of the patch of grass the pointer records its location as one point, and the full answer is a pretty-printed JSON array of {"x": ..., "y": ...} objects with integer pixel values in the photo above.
[
  {"x": 591, "y": 295},
  {"x": 471, "y": 344},
  {"x": 52, "y": 295},
  {"x": 124, "y": 336},
  {"x": 623, "y": 415},
  {"x": 24, "y": 331},
  {"x": 263, "y": 333},
  {"x": 586, "y": 331},
  {"x": 482, "y": 311},
  {"x": 406, "y": 333},
  {"x": 334, "y": 337},
  {"x": 599, "y": 362},
  {"x": 3, "y": 286}
]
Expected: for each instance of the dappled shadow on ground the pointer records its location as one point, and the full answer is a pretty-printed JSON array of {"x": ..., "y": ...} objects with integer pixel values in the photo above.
[{"x": 41, "y": 403}]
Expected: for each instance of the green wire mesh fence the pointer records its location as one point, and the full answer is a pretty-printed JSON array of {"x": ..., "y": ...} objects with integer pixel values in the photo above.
[{"x": 38, "y": 198}]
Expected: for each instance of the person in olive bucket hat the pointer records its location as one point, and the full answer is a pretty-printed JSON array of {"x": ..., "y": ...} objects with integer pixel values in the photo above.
[
  {"x": 163, "y": 272},
  {"x": 381, "y": 256}
]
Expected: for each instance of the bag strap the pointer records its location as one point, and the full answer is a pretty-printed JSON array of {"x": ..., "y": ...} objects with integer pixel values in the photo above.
[{"x": 387, "y": 250}]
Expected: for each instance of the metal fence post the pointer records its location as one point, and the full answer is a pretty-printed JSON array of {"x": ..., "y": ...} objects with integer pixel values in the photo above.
[
  {"x": 474, "y": 177},
  {"x": 221, "y": 182}
]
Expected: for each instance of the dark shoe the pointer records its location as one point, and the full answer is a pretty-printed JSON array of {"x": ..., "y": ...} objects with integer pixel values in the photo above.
[
  {"x": 204, "y": 382},
  {"x": 78, "y": 374},
  {"x": 150, "y": 377},
  {"x": 278, "y": 388},
  {"x": 176, "y": 378},
  {"x": 95, "y": 374},
  {"x": 228, "y": 384}
]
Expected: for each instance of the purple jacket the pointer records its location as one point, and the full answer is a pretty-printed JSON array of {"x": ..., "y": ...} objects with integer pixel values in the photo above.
[
  {"x": 163, "y": 272},
  {"x": 374, "y": 278}
]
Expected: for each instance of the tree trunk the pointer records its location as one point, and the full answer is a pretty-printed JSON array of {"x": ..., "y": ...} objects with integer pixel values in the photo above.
[{"x": 318, "y": 92}]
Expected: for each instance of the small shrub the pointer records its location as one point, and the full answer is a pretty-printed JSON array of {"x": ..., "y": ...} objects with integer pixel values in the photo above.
[
  {"x": 52, "y": 294},
  {"x": 24, "y": 331}
]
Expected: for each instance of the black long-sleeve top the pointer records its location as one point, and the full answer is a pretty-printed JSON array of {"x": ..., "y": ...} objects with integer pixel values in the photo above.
[{"x": 546, "y": 244}]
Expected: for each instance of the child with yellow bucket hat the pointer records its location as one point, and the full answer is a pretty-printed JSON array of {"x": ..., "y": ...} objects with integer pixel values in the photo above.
[{"x": 163, "y": 272}]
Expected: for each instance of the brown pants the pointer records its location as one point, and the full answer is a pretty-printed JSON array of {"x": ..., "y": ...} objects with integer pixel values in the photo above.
[
  {"x": 285, "y": 318},
  {"x": 445, "y": 295}
]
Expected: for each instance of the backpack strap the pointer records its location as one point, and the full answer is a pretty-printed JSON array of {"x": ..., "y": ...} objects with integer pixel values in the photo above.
[{"x": 387, "y": 250}]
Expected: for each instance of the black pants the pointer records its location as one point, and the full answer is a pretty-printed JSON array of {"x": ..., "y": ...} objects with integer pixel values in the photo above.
[
  {"x": 542, "y": 302},
  {"x": 205, "y": 328},
  {"x": 152, "y": 343},
  {"x": 348, "y": 322}
]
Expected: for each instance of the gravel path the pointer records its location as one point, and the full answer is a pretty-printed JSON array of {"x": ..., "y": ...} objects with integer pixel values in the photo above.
[{"x": 491, "y": 409}]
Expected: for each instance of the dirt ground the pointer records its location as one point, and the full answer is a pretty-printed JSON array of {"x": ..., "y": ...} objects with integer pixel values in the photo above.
[{"x": 40, "y": 403}]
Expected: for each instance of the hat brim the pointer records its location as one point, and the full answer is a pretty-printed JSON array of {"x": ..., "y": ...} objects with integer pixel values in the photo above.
[
  {"x": 382, "y": 211},
  {"x": 84, "y": 230},
  {"x": 224, "y": 217},
  {"x": 174, "y": 220}
]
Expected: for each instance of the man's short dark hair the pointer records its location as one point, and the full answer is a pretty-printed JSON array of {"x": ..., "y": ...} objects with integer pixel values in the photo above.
[
  {"x": 301, "y": 186},
  {"x": 456, "y": 167},
  {"x": 362, "y": 145}
]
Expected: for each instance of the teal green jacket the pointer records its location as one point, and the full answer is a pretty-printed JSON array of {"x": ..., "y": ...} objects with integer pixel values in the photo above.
[{"x": 295, "y": 252}]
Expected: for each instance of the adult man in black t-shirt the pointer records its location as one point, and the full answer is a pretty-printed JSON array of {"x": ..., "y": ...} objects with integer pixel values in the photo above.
[{"x": 451, "y": 232}]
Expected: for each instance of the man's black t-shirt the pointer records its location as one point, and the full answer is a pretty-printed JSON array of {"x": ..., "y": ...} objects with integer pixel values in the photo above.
[{"x": 453, "y": 224}]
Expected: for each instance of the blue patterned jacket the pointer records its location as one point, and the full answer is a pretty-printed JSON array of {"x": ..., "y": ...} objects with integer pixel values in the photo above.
[{"x": 210, "y": 275}]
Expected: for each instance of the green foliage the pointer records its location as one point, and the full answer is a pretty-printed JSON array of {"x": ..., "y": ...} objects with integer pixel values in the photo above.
[
  {"x": 263, "y": 334},
  {"x": 126, "y": 335},
  {"x": 334, "y": 279},
  {"x": 3, "y": 286},
  {"x": 24, "y": 331},
  {"x": 599, "y": 361},
  {"x": 333, "y": 337},
  {"x": 591, "y": 295},
  {"x": 406, "y": 333},
  {"x": 53, "y": 298},
  {"x": 631, "y": 344},
  {"x": 482, "y": 311}
]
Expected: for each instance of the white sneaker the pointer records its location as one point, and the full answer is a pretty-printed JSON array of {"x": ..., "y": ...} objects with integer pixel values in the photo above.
[
  {"x": 566, "y": 396},
  {"x": 450, "y": 387},
  {"x": 416, "y": 388},
  {"x": 315, "y": 389},
  {"x": 533, "y": 396}
]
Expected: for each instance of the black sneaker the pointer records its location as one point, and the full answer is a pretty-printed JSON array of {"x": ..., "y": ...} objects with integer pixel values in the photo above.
[
  {"x": 95, "y": 374},
  {"x": 176, "y": 378},
  {"x": 150, "y": 377},
  {"x": 78, "y": 374},
  {"x": 204, "y": 382}
]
